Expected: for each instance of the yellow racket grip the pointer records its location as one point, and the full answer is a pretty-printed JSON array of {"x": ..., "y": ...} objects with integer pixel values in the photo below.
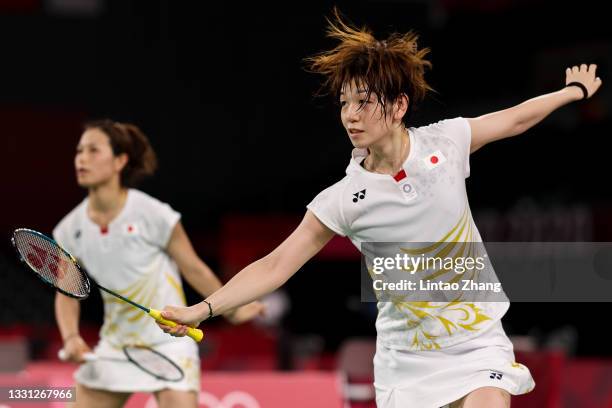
[{"x": 192, "y": 332}]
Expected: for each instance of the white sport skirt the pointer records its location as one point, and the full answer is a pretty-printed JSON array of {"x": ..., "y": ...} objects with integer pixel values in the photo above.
[
  {"x": 434, "y": 378},
  {"x": 120, "y": 376}
]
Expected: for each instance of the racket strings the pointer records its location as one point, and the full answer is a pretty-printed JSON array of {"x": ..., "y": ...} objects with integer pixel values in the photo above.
[
  {"x": 51, "y": 263},
  {"x": 154, "y": 363}
]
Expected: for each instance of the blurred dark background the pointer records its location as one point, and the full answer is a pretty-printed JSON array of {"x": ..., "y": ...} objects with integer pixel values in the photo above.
[{"x": 221, "y": 91}]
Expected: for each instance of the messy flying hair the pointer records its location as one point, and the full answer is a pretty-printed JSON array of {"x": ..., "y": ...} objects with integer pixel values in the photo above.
[{"x": 388, "y": 68}]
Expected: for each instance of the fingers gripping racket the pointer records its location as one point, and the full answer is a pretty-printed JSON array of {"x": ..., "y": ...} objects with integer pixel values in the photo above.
[
  {"x": 145, "y": 358},
  {"x": 56, "y": 267}
]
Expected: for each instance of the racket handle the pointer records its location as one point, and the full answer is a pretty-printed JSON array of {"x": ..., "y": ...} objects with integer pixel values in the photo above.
[
  {"x": 192, "y": 332},
  {"x": 63, "y": 356}
]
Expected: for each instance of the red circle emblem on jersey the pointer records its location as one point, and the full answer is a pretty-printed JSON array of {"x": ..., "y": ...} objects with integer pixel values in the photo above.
[{"x": 434, "y": 159}]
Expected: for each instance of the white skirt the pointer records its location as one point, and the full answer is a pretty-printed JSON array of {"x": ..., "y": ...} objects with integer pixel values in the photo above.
[
  {"x": 434, "y": 378},
  {"x": 119, "y": 376}
]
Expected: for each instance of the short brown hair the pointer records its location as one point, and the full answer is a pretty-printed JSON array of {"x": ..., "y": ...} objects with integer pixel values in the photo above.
[
  {"x": 129, "y": 139},
  {"x": 388, "y": 68}
]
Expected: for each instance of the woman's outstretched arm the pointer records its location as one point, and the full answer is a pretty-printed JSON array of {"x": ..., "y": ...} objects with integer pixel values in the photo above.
[
  {"x": 259, "y": 278},
  {"x": 518, "y": 119}
]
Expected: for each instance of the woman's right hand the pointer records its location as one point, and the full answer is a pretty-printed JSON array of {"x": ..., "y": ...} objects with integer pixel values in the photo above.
[
  {"x": 75, "y": 347},
  {"x": 185, "y": 317}
]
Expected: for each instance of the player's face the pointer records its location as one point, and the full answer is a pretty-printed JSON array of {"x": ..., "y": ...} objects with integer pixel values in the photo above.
[
  {"x": 363, "y": 119},
  {"x": 95, "y": 163}
]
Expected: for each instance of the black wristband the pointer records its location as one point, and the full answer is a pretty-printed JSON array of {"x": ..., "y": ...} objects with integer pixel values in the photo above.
[
  {"x": 579, "y": 85},
  {"x": 210, "y": 312}
]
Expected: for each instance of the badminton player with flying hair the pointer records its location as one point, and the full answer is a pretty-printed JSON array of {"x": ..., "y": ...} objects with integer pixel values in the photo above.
[
  {"x": 136, "y": 245},
  {"x": 404, "y": 184}
]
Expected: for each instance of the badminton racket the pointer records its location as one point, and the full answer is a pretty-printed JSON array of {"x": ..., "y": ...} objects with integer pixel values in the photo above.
[{"x": 58, "y": 268}]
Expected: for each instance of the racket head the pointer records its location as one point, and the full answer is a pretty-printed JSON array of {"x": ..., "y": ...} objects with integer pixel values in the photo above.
[
  {"x": 51, "y": 263},
  {"x": 154, "y": 363}
]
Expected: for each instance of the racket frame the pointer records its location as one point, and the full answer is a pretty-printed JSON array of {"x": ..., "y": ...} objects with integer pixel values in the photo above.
[
  {"x": 87, "y": 283},
  {"x": 178, "y": 368}
]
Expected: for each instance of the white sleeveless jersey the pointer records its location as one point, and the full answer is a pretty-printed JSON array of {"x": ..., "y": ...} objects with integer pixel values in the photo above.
[
  {"x": 426, "y": 202},
  {"x": 129, "y": 258}
]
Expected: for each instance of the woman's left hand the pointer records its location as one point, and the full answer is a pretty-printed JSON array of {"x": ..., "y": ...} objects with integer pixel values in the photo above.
[{"x": 585, "y": 75}]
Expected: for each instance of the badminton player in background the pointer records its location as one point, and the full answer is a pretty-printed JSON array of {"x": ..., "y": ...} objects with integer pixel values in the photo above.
[
  {"x": 404, "y": 184},
  {"x": 134, "y": 244}
]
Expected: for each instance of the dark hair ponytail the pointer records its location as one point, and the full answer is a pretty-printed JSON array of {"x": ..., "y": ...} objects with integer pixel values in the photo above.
[{"x": 129, "y": 139}]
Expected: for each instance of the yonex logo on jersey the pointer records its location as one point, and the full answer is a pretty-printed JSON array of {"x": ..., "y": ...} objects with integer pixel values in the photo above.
[
  {"x": 495, "y": 375},
  {"x": 360, "y": 195}
]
